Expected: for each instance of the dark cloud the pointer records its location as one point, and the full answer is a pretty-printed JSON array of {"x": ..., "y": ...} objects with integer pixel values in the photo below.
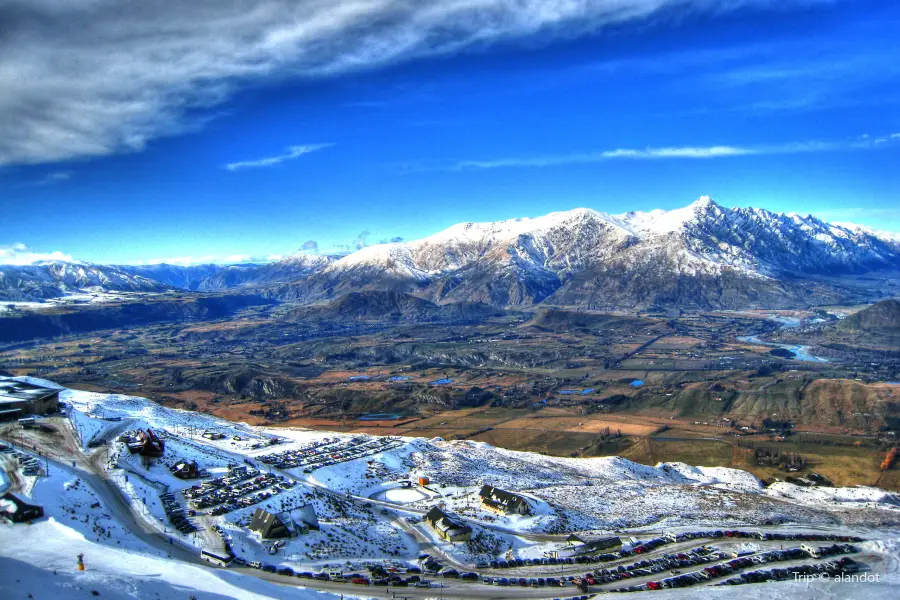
[{"x": 310, "y": 245}]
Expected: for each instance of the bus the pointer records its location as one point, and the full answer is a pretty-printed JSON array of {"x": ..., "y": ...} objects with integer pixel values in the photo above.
[{"x": 222, "y": 560}]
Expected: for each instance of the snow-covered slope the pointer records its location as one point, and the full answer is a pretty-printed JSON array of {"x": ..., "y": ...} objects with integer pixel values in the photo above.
[
  {"x": 701, "y": 237},
  {"x": 568, "y": 495},
  {"x": 221, "y": 277},
  {"x": 43, "y": 558},
  {"x": 702, "y": 255},
  {"x": 52, "y": 279}
]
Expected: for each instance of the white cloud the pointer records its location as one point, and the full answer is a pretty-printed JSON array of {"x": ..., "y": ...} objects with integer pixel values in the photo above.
[
  {"x": 593, "y": 157},
  {"x": 19, "y": 254},
  {"x": 59, "y": 176},
  {"x": 678, "y": 152},
  {"x": 91, "y": 78},
  {"x": 292, "y": 153},
  {"x": 52, "y": 178}
]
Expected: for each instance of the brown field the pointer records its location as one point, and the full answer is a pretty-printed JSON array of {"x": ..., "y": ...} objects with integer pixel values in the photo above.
[
  {"x": 556, "y": 443},
  {"x": 695, "y": 452},
  {"x": 578, "y": 424},
  {"x": 673, "y": 342},
  {"x": 446, "y": 433},
  {"x": 451, "y": 417},
  {"x": 845, "y": 466}
]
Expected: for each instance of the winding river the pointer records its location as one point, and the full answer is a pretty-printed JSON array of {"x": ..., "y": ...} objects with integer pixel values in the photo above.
[{"x": 801, "y": 352}]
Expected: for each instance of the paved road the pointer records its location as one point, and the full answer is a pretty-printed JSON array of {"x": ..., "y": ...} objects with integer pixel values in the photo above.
[
  {"x": 114, "y": 501},
  {"x": 451, "y": 589}
]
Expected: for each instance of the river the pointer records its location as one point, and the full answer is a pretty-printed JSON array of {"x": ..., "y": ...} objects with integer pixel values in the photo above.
[{"x": 801, "y": 352}]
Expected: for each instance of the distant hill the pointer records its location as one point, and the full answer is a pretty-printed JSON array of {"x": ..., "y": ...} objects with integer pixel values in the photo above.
[
  {"x": 562, "y": 320},
  {"x": 882, "y": 317},
  {"x": 52, "y": 279},
  {"x": 374, "y": 305},
  {"x": 66, "y": 320}
]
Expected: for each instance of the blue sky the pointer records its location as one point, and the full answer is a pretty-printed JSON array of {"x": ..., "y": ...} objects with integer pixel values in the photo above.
[{"x": 248, "y": 139}]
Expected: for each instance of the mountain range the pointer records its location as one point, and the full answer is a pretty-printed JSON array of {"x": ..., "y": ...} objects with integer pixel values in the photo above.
[{"x": 700, "y": 256}]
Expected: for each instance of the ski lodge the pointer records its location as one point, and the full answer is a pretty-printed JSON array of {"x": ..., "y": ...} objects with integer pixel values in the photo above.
[
  {"x": 447, "y": 527},
  {"x": 503, "y": 502},
  {"x": 19, "y": 399}
]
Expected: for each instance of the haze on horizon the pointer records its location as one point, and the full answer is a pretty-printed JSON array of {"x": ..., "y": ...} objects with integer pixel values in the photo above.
[{"x": 215, "y": 133}]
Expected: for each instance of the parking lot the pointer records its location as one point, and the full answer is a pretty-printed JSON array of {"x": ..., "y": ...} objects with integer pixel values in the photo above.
[
  {"x": 329, "y": 452},
  {"x": 176, "y": 515},
  {"x": 241, "y": 487},
  {"x": 638, "y": 575},
  {"x": 648, "y": 574},
  {"x": 29, "y": 465}
]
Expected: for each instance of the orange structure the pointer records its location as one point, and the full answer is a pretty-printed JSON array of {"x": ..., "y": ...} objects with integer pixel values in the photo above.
[
  {"x": 423, "y": 481},
  {"x": 889, "y": 459}
]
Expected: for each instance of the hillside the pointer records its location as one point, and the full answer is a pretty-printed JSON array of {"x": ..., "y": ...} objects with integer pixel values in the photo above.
[
  {"x": 52, "y": 279},
  {"x": 880, "y": 318},
  {"x": 701, "y": 256},
  {"x": 71, "y": 320},
  {"x": 556, "y": 320},
  {"x": 393, "y": 306}
]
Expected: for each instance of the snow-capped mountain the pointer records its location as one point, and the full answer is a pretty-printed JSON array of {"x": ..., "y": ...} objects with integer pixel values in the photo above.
[
  {"x": 52, "y": 279},
  {"x": 700, "y": 256},
  {"x": 703, "y": 237},
  {"x": 213, "y": 277}
]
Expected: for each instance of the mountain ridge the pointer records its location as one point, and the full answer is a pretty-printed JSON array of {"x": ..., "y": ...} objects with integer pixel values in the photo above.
[{"x": 699, "y": 256}]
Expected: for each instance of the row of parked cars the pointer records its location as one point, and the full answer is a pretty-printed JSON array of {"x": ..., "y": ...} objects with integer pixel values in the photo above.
[
  {"x": 528, "y": 581},
  {"x": 176, "y": 515},
  {"x": 667, "y": 562},
  {"x": 584, "y": 559},
  {"x": 727, "y": 568},
  {"x": 839, "y": 567},
  {"x": 410, "y": 579},
  {"x": 763, "y": 535},
  {"x": 514, "y": 563},
  {"x": 243, "y": 494},
  {"x": 29, "y": 464},
  {"x": 235, "y": 475},
  {"x": 329, "y": 454},
  {"x": 654, "y": 543}
]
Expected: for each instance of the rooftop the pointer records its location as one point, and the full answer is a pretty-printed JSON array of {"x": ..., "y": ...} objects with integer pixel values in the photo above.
[{"x": 11, "y": 389}]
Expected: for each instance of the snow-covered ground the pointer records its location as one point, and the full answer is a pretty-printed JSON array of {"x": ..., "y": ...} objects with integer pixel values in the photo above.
[
  {"x": 40, "y": 561},
  {"x": 88, "y": 296},
  {"x": 565, "y": 494}
]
